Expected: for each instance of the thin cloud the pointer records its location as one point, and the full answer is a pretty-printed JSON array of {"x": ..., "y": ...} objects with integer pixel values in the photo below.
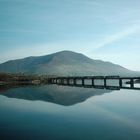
[{"x": 118, "y": 36}]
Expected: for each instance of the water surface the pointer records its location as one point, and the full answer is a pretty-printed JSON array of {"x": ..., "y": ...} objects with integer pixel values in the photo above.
[{"x": 69, "y": 113}]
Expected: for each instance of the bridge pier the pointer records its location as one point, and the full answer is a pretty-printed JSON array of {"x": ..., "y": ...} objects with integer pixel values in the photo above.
[
  {"x": 120, "y": 82},
  {"x": 57, "y": 81},
  {"x": 74, "y": 81},
  {"x": 132, "y": 83},
  {"x": 92, "y": 82},
  {"x": 105, "y": 82},
  {"x": 83, "y": 81},
  {"x": 68, "y": 82}
]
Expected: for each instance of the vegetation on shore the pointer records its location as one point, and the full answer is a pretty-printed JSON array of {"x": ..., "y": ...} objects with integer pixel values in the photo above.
[{"x": 20, "y": 78}]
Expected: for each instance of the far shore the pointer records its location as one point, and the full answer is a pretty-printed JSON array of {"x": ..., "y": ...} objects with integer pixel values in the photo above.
[{"x": 22, "y": 79}]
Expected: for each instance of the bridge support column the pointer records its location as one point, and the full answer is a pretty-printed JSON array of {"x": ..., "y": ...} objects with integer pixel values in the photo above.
[
  {"x": 74, "y": 81},
  {"x": 83, "y": 81},
  {"x": 61, "y": 81},
  {"x": 68, "y": 81},
  {"x": 93, "y": 82},
  {"x": 105, "y": 84},
  {"x": 132, "y": 83},
  {"x": 52, "y": 81},
  {"x": 57, "y": 81},
  {"x": 120, "y": 83}
]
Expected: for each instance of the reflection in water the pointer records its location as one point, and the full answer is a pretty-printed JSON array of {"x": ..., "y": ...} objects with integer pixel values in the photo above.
[
  {"x": 114, "y": 116},
  {"x": 53, "y": 93}
]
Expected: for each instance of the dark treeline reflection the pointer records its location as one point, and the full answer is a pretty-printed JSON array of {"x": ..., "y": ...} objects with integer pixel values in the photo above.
[{"x": 62, "y": 95}]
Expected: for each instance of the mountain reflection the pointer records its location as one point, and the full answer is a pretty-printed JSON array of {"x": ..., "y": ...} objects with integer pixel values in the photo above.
[{"x": 62, "y": 95}]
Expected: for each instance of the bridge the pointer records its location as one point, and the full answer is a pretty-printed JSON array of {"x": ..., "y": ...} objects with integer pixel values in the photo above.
[{"x": 101, "y": 82}]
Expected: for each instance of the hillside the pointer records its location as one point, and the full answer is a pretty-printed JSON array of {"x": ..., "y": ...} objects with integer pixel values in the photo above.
[{"x": 64, "y": 63}]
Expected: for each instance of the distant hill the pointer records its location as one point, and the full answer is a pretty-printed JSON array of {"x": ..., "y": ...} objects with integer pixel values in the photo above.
[{"x": 64, "y": 63}]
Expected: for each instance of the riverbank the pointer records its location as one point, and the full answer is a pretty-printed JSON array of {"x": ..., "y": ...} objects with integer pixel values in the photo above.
[{"x": 21, "y": 79}]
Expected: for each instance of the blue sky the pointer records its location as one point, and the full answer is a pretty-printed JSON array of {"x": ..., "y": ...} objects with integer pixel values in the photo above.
[{"x": 101, "y": 29}]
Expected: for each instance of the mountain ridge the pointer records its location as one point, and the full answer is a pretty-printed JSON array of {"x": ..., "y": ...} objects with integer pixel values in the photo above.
[{"x": 66, "y": 63}]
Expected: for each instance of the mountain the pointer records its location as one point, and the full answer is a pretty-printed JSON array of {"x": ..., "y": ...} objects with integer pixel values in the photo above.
[{"x": 64, "y": 63}]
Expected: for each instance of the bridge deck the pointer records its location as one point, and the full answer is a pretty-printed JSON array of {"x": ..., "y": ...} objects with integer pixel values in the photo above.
[{"x": 98, "y": 82}]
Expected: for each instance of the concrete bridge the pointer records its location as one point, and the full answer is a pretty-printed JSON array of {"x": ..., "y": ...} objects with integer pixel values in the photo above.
[{"x": 107, "y": 82}]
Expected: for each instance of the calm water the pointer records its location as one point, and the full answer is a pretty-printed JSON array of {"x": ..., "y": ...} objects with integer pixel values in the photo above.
[{"x": 69, "y": 113}]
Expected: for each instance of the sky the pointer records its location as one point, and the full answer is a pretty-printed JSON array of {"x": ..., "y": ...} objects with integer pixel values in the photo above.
[{"x": 101, "y": 29}]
